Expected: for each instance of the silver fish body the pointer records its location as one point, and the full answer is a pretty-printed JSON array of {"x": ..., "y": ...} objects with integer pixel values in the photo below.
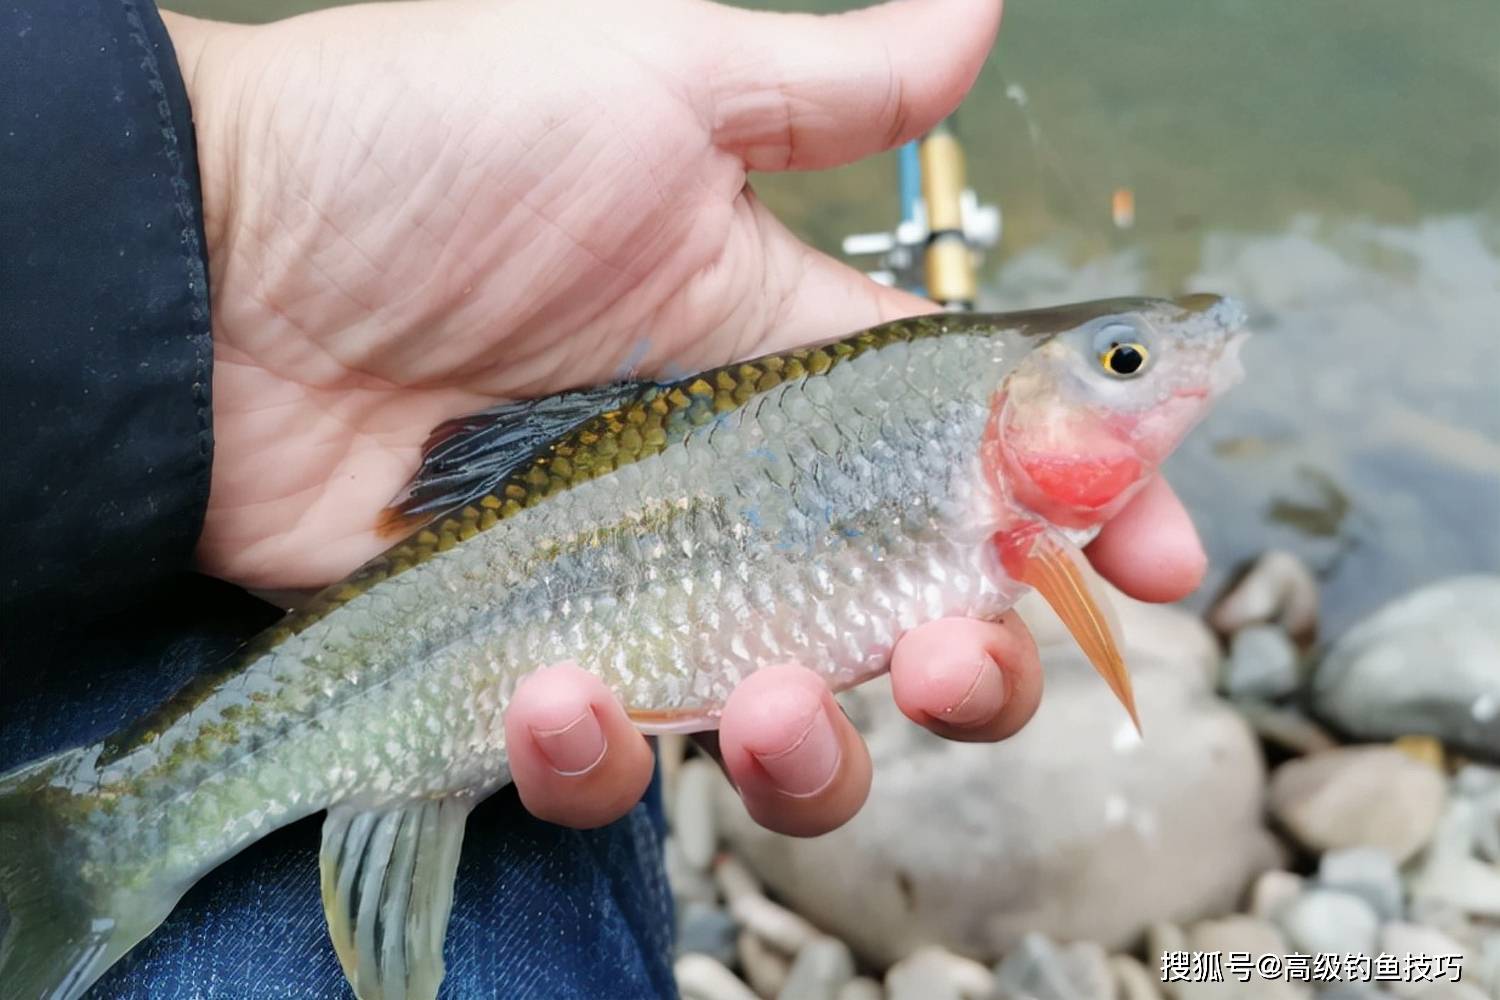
[{"x": 814, "y": 520}]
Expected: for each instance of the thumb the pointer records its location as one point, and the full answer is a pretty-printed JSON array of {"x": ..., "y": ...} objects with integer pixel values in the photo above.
[{"x": 804, "y": 92}]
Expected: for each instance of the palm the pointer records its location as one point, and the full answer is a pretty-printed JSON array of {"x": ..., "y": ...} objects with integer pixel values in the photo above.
[{"x": 419, "y": 229}]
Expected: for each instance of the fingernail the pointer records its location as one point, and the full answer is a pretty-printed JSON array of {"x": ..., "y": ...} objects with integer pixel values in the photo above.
[
  {"x": 807, "y": 766},
  {"x": 575, "y": 748},
  {"x": 985, "y": 697}
]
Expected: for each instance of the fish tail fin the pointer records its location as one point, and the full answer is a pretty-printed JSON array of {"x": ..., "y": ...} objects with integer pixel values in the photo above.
[{"x": 58, "y": 932}]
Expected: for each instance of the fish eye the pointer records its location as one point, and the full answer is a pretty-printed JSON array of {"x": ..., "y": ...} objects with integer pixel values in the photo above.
[{"x": 1120, "y": 351}]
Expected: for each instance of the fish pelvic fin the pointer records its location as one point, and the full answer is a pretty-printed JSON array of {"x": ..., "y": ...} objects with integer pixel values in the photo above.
[
  {"x": 1058, "y": 570},
  {"x": 58, "y": 932},
  {"x": 387, "y": 877}
]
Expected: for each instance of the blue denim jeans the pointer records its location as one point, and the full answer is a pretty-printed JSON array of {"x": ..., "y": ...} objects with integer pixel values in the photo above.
[{"x": 539, "y": 910}]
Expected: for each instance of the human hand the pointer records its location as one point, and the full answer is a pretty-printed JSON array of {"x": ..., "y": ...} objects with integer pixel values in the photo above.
[{"x": 414, "y": 211}]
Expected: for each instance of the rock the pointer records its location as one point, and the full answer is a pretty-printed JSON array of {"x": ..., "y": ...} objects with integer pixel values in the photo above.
[
  {"x": 1162, "y": 937},
  {"x": 1278, "y": 588},
  {"x": 939, "y": 974},
  {"x": 1322, "y": 920},
  {"x": 689, "y": 884},
  {"x": 1451, "y": 991},
  {"x": 1075, "y": 827},
  {"x": 1262, "y": 663},
  {"x": 1354, "y": 991},
  {"x": 693, "y": 812},
  {"x": 734, "y": 880},
  {"x": 765, "y": 968},
  {"x": 704, "y": 928},
  {"x": 1425, "y": 749},
  {"x": 1450, "y": 874},
  {"x": 1132, "y": 981},
  {"x": 821, "y": 968},
  {"x": 1486, "y": 966},
  {"x": 1273, "y": 890},
  {"x": 1403, "y": 939},
  {"x": 913, "y": 978},
  {"x": 862, "y": 988},
  {"x": 701, "y": 978},
  {"x": 1237, "y": 933},
  {"x": 1286, "y": 727},
  {"x": 1422, "y": 664},
  {"x": 776, "y": 925},
  {"x": 1367, "y": 872},
  {"x": 1358, "y": 796},
  {"x": 1481, "y": 786},
  {"x": 1041, "y": 970}
]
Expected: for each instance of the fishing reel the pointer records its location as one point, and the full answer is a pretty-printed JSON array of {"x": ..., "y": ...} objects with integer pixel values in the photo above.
[{"x": 937, "y": 247}]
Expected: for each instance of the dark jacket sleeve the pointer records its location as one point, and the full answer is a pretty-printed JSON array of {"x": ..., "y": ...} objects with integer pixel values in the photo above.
[{"x": 105, "y": 354}]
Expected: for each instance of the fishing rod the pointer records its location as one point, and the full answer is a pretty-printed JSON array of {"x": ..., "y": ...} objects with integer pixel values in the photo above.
[{"x": 936, "y": 248}]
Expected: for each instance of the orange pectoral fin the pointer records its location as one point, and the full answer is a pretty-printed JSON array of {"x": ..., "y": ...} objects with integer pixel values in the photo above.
[{"x": 1054, "y": 568}]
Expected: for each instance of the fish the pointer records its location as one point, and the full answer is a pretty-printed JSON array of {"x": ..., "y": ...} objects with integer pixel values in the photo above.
[{"x": 670, "y": 536}]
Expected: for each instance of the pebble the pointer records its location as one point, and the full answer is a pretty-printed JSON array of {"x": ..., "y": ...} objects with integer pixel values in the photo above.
[
  {"x": 1278, "y": 588},
  {"x": 933, "y": 973},
  {"x": 704, "y": 928},
  {"x": 1367, "y": 872},
  {"x": 693, "y": 814},
  {"x": 821, "y": 968},
  {"x": 689, "y": 884},
  {"x": 1322, "y": 920},
  {"x": 1486, "y": 966},
  {"x": 861, "y": 988},
  {"x": 702, "y": 978},
  {"x": 774, "y": 924},
  {"x": 1237, "y": 932},
  {"x": 764, "y": 967},
  {"x": 1481, "y": 786},
  {"x": 734, "y": 879},
  {"x": 1452, "y": 991},
  {"x": 1358, "y": 796},
  {"x": 1354, "y": 991},
  {"x": 1398, "y": 938},
  {"x": 1273, "y": 890},
  {"x": 1286, "y": 727},
  {"x": 1040, "y": 969},
  {"x": 1132, "y": 981},
  {"x": 1450, "y": 874},
  {"x": 1262, "y": 663}
]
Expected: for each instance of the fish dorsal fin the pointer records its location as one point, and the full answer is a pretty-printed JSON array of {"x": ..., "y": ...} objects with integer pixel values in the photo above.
[
  {"x": 466, "y": 458},
  {"x": 387, "y": 877}
]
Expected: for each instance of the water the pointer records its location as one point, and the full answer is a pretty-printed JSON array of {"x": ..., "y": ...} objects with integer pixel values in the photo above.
[{"x": 1337, "y": 164}]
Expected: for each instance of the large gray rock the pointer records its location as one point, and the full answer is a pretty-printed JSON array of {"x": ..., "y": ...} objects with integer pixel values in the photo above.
[
  {"x": 1426, "y": 663},
  {"x": 1364, "y": 796},
  {"x": 1075, "y": 828}
]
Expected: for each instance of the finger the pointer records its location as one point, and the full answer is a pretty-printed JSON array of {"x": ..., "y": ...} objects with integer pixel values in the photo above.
[
  {"x": 802, "y": 92},
  {"x": 808, "y": 296},
  {"x": 794, "y": 757},
  {"x": 968, "y": 680},
  {"x": 574, "y": 756},
  {"x": 1151, "y": 549}
]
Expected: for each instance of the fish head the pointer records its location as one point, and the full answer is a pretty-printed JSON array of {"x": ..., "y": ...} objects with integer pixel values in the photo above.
[{"x": 1089, "y": 415}]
